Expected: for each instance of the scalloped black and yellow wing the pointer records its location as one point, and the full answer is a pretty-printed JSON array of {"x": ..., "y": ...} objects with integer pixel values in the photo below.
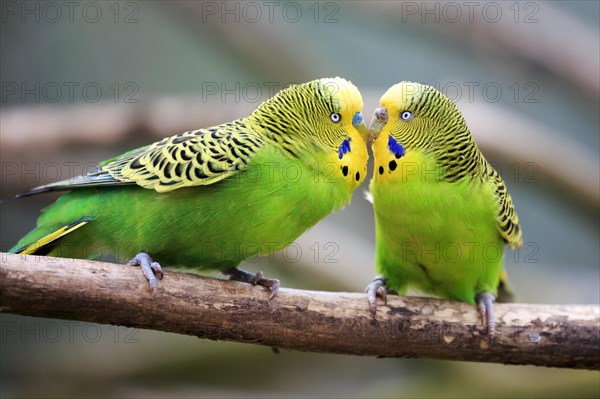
[
  {"x": 195, "y": 158},
  {"x": 508, "y": 221}
]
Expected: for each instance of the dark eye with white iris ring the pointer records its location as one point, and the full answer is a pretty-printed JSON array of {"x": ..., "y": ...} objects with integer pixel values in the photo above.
[
  {"x": 406, "y": 115},
  {"x": 335, "y": 117}
]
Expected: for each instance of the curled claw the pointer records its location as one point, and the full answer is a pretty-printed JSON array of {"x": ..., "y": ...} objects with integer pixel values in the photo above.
[
  {"x": 158, "y": 271},
  {"x": 271, "y": 283},
  {"x": 254, "y": 279},
  {"x": 150, "y": 269},
  {"x": 258, "y": 276},
  {"x": 376, "y": 289}
]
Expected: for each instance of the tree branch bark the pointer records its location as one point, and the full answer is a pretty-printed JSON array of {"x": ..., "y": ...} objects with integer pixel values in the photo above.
[{"x": 543, "y": 335}]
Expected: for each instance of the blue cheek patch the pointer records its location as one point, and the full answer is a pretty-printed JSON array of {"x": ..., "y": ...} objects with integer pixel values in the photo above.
[
  {"x": 344, "y": 148},
  {"x": 396, "y": 148},
  {"x": 357, "y": 119}
]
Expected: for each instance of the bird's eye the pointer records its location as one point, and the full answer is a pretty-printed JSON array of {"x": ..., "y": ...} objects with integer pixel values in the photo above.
[
  {"x": 335, "y": 117},
  {"x": 406, "y": 115}
]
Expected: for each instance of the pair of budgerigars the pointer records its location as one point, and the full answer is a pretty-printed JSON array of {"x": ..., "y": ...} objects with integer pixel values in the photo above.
[{"x": 211, "y": 197}]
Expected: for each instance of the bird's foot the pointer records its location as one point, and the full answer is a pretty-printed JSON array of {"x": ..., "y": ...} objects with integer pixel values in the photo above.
[
  {"x": 485, "y": 303},
  {"x": 151, "y": 269},
  {"x": 376, "y": 289},
  {"x": 254, "y": 278}
]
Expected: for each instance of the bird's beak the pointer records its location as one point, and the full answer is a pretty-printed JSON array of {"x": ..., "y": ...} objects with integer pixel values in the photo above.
[
  {"x": 380, "y": 118},
  {"x": 364, "y": 133},
  {"x": 359, "y": 124}
]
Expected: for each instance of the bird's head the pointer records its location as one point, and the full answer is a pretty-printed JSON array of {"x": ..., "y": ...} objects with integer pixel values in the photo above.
[
  {"x": 323, "y": 111},
  {"x": 318, "y": 120},
  {"x": 416, "y": 116}
]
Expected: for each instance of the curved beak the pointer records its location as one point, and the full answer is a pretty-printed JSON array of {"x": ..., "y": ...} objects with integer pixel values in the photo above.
[
  {"x": 359, "y": 123},
  {"x": 380, "y": 118}
]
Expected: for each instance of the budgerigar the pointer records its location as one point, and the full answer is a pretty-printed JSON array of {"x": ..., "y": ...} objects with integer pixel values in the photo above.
[
  {"x": 442, "y": 212},
  {"x": 209, "y": 198}
]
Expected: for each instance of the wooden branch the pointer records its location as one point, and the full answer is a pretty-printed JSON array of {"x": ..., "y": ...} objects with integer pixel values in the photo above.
[{"x": 544, "y": 335}]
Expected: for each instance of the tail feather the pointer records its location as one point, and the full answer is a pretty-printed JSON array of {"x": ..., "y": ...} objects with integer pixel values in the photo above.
[
  {"x": 505, "y": 294},
  {"x": 42, "y": 245},
  {"x": 90, "y": 180}
]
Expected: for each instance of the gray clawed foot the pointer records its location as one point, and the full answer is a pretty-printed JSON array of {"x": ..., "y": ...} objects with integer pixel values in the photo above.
[
  {"x": 254, "y": 279},
  {"x": 485, "y": 303},
  {"x": 377, "y": 288},
  {"x": 151, "y": 269}
]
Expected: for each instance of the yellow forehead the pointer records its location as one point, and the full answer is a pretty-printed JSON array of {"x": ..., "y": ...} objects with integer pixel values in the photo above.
[
  {"x": 402, "y": 95},
  {"x": 344, "y": 93}
]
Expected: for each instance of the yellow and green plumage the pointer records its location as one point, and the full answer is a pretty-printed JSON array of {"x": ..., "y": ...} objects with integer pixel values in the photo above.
[
  {"x": 442, "y": 213},
  {"x": 209, "y": 198}
]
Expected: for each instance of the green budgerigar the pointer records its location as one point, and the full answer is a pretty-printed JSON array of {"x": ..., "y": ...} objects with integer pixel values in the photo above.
[
  {"x": 442, "y": 213},
  {"x": 207, "y": 199}
]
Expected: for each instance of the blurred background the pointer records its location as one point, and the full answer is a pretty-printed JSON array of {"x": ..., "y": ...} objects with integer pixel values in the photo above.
[{"x": 84, "y": 81}]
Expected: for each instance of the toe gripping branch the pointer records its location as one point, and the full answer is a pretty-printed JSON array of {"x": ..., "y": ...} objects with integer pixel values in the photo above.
[
  {"x": 377, "y": 288},
  {"x": 254, "y": 279},
  {"x": 150, "y": 269},
  {"x": 485, "y": 303}
]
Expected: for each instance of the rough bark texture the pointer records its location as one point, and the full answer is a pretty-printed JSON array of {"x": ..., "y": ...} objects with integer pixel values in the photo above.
[{"x": 543, "y": 335}]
